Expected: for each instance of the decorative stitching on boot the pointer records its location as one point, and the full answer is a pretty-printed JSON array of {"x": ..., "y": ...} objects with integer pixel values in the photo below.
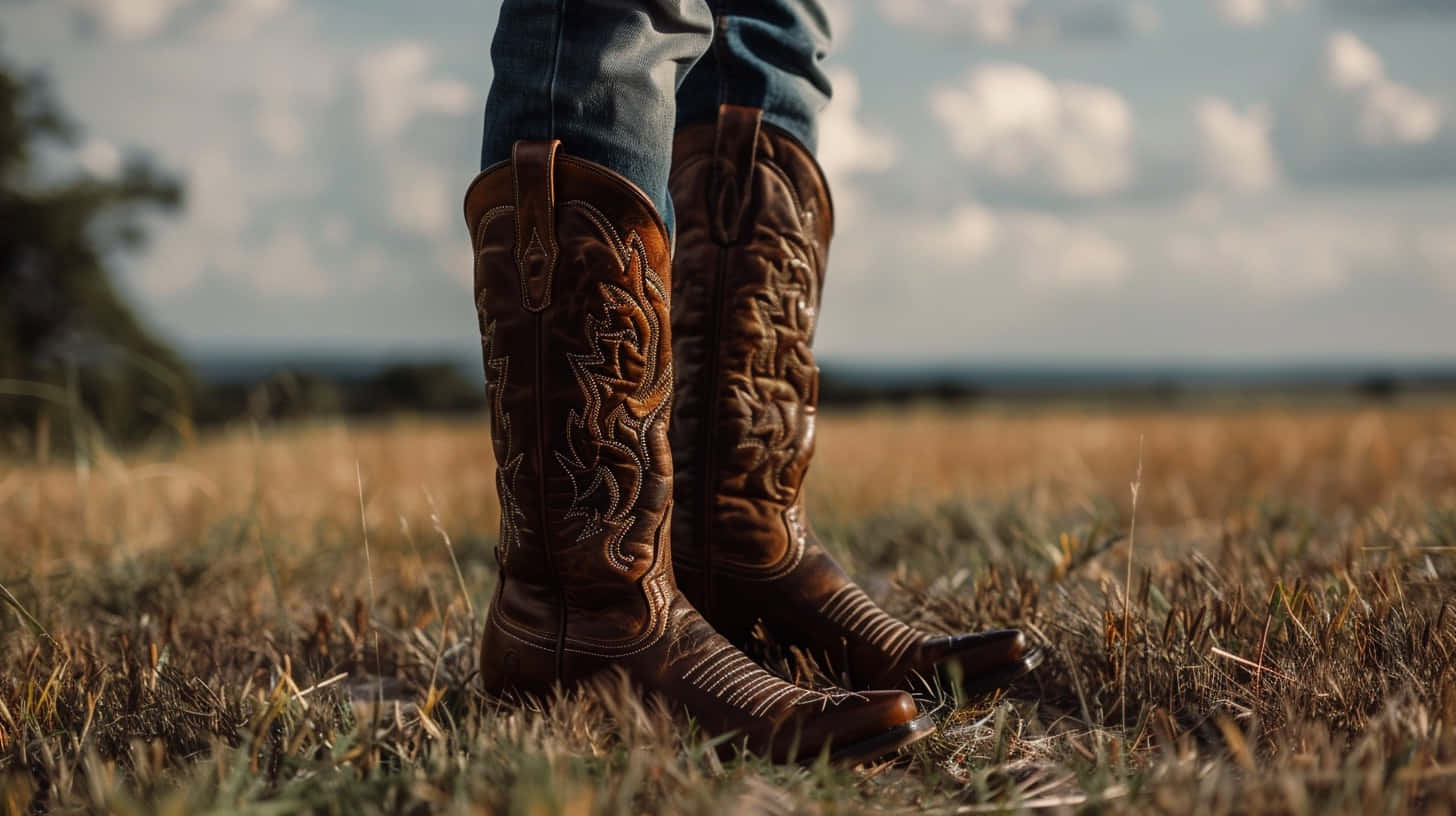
[
  {"x": 850, "y": 608},
  {"x": 508, "y": 465},
  {"x": 607, "y": 422},
  {"x": 727, "y": 671},
  {"x": 781, "y": 368}
]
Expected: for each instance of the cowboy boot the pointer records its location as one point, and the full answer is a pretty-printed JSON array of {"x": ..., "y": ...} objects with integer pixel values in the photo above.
[
  {"x": 754, "y": 221},
  {"x": 572, "y": 283}
]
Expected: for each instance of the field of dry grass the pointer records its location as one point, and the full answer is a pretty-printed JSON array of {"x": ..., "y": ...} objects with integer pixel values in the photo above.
[{"x": 212, "y": 628}]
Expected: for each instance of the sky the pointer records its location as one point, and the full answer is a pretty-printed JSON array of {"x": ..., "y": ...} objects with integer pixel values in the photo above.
[{"x": 1066, "y": 181}]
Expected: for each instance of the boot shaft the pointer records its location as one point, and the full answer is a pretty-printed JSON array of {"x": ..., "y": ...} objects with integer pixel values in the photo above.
[
  {"x": 754, "y": 221},
  {"x": 571, "y": 283}
]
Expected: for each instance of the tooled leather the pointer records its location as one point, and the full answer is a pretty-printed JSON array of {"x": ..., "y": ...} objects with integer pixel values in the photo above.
[
  {"x": 731, "y": 691},
  {"x": 761, "y": 394},
  {"x": 626, "y": 388},
  {"x": 730, "y": 185},
  {"x": 580, "y": 417},
  {"x": 850, "y": 608},
  {"x": 507, "y": 457},
  {"x": 744, "y": 313},
  {"x": 746, "y": 366},
  {"x": 535, "y": 207},
  {"x": 580, "y": 391}
]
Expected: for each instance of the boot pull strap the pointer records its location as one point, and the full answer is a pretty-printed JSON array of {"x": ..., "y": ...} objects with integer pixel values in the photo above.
[
  {"x": 733, "y": 159},
  {"x": 534, "y": 166}
]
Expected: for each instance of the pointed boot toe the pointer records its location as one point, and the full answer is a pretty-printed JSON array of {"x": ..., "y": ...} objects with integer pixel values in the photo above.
[
  {"x": 871, "y": 724},
  {"x": 974, "y": 663},
  {"x": 852, "y": 727}
]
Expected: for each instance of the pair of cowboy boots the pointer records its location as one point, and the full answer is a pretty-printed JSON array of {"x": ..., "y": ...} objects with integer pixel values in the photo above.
[{"x": 607, "y": 559}]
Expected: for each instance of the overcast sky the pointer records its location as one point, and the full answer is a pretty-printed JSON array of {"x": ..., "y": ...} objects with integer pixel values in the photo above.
[{"x": 1063, "y": 180}]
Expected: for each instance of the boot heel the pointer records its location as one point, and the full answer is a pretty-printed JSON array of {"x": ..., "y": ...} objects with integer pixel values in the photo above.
[{"x": 509, "y": 668}]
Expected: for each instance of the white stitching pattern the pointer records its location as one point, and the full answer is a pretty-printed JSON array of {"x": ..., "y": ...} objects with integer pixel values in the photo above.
[
  {"x": 509, "y": 468},
  {"x": 598, "y": 374},
  {"x": 785, "y": 315},
  {"x": 852, "y": 609},
  {"x": 727, "y": 671},
  {"x": 656, "y": 584}
]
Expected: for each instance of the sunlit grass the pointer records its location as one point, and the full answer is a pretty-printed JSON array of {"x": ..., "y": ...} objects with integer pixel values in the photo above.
[{"x": 1289, "y": 638}]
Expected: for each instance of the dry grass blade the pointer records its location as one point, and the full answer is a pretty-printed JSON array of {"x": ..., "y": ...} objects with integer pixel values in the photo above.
[
  {"x": 30, "y": 620},
  {"x": 1134, "y": 487}
]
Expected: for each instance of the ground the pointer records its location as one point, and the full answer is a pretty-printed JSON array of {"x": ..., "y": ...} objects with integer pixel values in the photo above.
[{"x": 211, "y": 628}]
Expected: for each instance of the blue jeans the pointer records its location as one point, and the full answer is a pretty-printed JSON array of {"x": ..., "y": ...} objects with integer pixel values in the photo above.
[{"x": 612, "y": 79}]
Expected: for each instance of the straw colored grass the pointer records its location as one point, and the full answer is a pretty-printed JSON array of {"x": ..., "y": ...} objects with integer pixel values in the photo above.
[{"x": 194, "y": 630}]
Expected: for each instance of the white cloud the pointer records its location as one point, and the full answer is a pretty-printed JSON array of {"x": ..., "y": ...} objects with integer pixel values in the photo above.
[
  {"x": 131, "y": 20},
  {"x": 847, "y": 146},
  {"x": 1437, "y": 248},
  {"x": 1288, "y": 275},
  {"x": 1391, "y": 8},
  {"x": 219, "y": 192},
  {"x": 421, "y": 199},
  {"x": 1145, "y": 18},
  {"x": 228, "y": 203},
  {"x": 1235, "y": 149},
  {"x": 127, "y": 19},
  {"x": 238, "y": 19},
  {"x": 335, "y": 232},
  {"x": 1016, "y": 125},
  {"x": 847, "y": 149},
  {"x": 100, "y": 158},
  {"x": 967, "y": 235},
  {"x": 287, "y": 266},
  {"x": 281, "y": 131},
  {"x": 1280, "y": 256},
  {"x": 993, "y": 20},
  {"x": 1382, "y": 112},
  {"x": 457, "y": 262},
  {"x": 1251, "y": 13},
  {"x": 1393, "y": 114},
  {"x": 1347, "y": 119},
  {"x": 399, "y": 84},
  {"x": 1043, "y": 252},
  {"x": 1054, "y": 254},
  {"x": 1350, "y": 63},
  {"x": 1005, "y": 21}
]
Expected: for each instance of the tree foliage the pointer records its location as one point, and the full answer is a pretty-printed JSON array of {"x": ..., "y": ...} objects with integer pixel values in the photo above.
[{"x": 75, "y": 359}]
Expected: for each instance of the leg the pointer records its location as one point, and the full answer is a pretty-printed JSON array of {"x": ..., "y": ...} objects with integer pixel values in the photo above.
[
  {"x": 572, "y": 274},
  {"x": 599, "y": 75},
  {"x": 766, "y": 54},
  {"x": 755, "y": 221}
]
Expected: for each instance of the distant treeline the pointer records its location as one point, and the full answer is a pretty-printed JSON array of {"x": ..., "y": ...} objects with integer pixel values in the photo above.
[
  {"x": 852, "y": 391},
  {"x": 298, "y": 392},
  {"x": 448, "y": 387},
  {"x": 260, "y": 392}
]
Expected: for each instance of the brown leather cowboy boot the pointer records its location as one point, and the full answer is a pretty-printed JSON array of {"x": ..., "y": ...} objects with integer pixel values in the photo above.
[
  {"x": 572, "y": 282},
  {"x": 754, "y": 221}
]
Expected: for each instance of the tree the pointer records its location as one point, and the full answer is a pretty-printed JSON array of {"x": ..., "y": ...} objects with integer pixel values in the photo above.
[{"x": 74, "y": 357}]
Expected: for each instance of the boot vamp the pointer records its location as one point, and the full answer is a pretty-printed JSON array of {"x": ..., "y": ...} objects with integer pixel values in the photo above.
[
  {"x": 727, "y": 693},
  {"x": 816, "y": 607}
]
